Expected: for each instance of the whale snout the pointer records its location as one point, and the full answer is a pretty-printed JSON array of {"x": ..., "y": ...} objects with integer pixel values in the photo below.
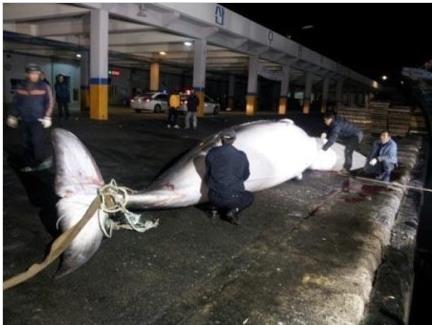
[{"x": 334, "y": 158}]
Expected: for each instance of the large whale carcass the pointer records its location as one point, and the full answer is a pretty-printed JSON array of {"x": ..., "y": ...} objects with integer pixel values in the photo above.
[{"x": 277, "y": 151}]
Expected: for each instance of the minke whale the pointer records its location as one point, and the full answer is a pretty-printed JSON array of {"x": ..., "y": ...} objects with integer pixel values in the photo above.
[{"x": 277, "y": 151}]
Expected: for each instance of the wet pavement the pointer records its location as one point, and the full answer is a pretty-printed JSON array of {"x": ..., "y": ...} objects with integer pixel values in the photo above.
[{"x": 282, "y": 265}]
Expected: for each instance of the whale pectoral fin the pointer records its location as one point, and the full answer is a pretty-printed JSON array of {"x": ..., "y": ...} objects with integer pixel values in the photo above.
[{"x": 77, "y": 180}]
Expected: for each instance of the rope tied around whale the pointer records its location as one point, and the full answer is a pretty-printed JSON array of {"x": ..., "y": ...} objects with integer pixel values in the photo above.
[
  {"x": 111, "y": 199},
  {"x": 114, "y": 199}
]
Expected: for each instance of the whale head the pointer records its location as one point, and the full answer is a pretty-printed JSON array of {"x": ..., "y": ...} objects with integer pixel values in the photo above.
[{"x": 334, "y": 158}]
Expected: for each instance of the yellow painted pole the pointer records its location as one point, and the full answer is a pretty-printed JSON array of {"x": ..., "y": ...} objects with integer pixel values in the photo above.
[
  {"x": 283, "y": 105},
  {"x": 251, "y": 104}
]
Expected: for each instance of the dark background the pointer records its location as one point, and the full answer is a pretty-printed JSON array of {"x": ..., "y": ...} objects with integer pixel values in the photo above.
[{"x": 372, "y": 39}]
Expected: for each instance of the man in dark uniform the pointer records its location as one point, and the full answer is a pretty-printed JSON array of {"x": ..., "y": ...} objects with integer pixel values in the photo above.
[
  {"x": 339, "y": 128},
  {"x": 62, "y": 96},
  {"x": 33, "y": 104},
  {"x": 227, "y": 170}
]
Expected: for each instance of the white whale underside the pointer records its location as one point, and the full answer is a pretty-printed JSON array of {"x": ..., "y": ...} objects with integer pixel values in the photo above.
[{"x": 277, "y": 152}]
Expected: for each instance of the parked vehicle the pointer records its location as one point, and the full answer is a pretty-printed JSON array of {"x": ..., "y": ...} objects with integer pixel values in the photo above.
[
  {"x": 211, "y": 107},
  {"x": 151, "y": 102}
]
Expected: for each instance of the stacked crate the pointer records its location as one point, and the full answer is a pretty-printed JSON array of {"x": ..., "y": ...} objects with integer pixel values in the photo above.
[
  {"x": 379, "y": 114},
  {"x": 399, "y": 120},
  {"x": 418, "y": 122},
  {"x": 358, "y": 116}
]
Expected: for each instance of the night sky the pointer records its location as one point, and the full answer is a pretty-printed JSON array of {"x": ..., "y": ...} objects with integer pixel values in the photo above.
[{"x": 372, "y": 39}]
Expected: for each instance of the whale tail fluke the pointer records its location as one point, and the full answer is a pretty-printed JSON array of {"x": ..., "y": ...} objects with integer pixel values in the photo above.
[{"x": 77, "y": 180}]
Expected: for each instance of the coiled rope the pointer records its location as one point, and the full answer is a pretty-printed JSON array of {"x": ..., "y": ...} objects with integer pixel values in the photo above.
[{"x": 114, "y": 199}]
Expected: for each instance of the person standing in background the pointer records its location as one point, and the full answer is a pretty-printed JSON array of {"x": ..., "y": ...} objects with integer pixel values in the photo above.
[
  {"x": 192, "y": 107},
  {"x": 62, "y": 96},
  {"x": 174, "y": 105}
]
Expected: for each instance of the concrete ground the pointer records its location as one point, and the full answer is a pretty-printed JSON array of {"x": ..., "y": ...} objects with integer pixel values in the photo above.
[{"x": 305, "y": 252}]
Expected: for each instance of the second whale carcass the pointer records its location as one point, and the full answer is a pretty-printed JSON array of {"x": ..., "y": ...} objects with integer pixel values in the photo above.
[{"x": 277, "y": 151}]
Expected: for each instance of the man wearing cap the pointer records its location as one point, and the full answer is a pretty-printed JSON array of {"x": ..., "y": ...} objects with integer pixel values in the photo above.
[
  {"x": 227, "y": 170},
  {"x": 33, "y": 105}
]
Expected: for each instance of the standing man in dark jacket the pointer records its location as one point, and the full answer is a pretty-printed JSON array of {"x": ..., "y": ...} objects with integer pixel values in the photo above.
[
  {"x": 33, "y": 104},
  {"x": 384, "y": 157},
  {"x": 227, "y": 170},
  {"x": 62, "y": 96},
  {"x": 339, "y": 128},
  {"x": 192, "y": 106}
]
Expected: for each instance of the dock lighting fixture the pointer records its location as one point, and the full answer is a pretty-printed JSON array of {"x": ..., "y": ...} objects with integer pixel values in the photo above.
[
  {"x": 307, "y": 27},
  {"x": 384, "y": 77},
  {"x": 162, "y": 53},
  {"x": 187, "y": 43},
  {"x": 78, "y": 55}
]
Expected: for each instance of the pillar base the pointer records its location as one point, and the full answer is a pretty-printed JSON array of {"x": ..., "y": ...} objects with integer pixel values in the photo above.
[
  {"x": 85, "y": 98},
  {"x": 251, "y": 104},
  {"x": 231, "y": 102},
  {"x": 323, "y": 107},
  {"x": 306, "y": 106},
  {"x": 283, "y": 103},
  {"x": 201, "y": 96},
  {"x": 99, "y": 102}
]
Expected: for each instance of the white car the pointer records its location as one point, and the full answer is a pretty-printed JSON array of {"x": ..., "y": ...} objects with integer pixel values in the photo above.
[
  {"x": 152, "y": 102},
  {"x": 210, "y": 105}
]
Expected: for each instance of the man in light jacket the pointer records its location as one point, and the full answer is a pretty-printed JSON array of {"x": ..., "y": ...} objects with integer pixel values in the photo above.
[{"x": 384, "y": 157}]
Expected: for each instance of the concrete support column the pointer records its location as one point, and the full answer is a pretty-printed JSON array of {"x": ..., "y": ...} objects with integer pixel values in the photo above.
[
  {"x": 99, "y": 64},
  {"x": 85, "y": 76},
  {"x": 349, "y": 96},
  {"x": 154, "y": 76},
  {"x": 307, "y": 93},
  {"x": 283, "y": 99},
  {"x": 339, "y": 87},
  {"x": 366, "y": 100},
  {"x": 324, "y": 97},
  {"x": 359, "y": 99},
  {"x": 231, "y": 87},
  {"x": 252, "y": 86},
  {"x": 199, "y": 72}
]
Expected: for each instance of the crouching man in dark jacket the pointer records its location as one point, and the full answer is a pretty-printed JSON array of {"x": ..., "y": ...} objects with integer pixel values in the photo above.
[
  {"x": 33, "y": 104},
  {"x": 339, "y": 128},
  {"x": 227, "y": 170},
  {"x": 383, "y": 157}
]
